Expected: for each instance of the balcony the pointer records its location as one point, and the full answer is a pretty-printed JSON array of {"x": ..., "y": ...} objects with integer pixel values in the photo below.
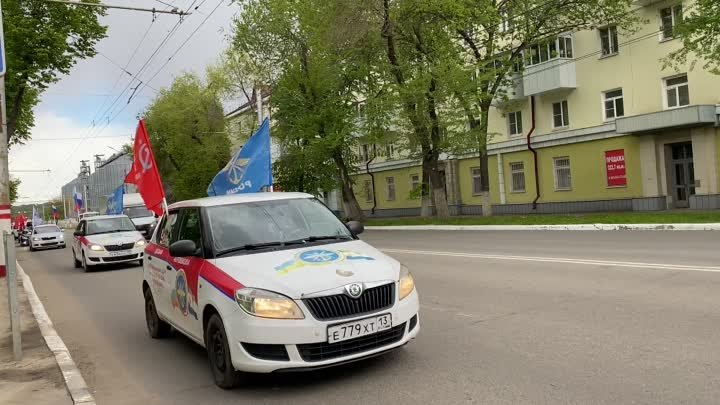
[
  {"x": 555, "y": 74},
  {"x": 683, "y": 117}
]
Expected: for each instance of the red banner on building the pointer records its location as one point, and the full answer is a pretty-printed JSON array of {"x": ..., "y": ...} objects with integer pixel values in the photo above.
[{"x": 615, "y": 168}]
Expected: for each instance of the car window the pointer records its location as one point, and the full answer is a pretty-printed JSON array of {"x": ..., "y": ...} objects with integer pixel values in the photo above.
[
  {"x": 189, "y": 227},
  {"x": 47, "y": 229},
  {"x": 109, "y": 225},
  {"x": 80, "y": 226},
  {"x": 167, "y": 229}
]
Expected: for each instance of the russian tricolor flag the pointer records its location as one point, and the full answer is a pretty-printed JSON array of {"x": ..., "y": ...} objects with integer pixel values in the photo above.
[{"x": 78, "y": 200}]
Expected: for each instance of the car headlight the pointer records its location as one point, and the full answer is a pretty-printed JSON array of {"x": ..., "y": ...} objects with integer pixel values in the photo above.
[
  {"x": 95, "y": 247},
  {"x": 36, "y": 239},
  {"x": 140, "y": 243},
  {"x": 267, "y": 304},
  {"x": 407, "y": 284},
  {"x": 61, "y": 237}
]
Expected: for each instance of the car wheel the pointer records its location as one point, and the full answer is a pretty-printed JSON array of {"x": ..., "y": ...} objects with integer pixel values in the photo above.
[
  {"x": 32, "y": 249},
  {"x": 225, "y": 375},
  {"x": 84, "y": 264},
  {"x": 156, "y": 327},
  {"x": 76, "y": 262}
]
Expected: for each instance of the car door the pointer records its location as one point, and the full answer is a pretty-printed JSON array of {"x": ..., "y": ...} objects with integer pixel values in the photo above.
[
  {"x": 184, "y": 296},
  {"x": 77, "y": 240},
  {"x": 159, "y": 274}
]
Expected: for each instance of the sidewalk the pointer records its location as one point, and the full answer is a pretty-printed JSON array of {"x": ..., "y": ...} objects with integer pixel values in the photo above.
[{"x": 37, "y": 378}]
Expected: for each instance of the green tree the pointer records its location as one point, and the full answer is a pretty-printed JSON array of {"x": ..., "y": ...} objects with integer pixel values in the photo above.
[
  {"x": 312, "y": 51},
  {"x": 699, "y": 31},
  {"x": 42, "y": 42},
  {"x": 498, "y": 36},
  {"x": 186, "y": 127},
  {"x": 14, "y": 185}
]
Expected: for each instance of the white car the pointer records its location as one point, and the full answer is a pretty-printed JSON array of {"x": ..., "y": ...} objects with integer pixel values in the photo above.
[
  {"x": 274, "y": 282},
  {"x": 46, "y": 237},
  {"x": 106, "y": 239}
]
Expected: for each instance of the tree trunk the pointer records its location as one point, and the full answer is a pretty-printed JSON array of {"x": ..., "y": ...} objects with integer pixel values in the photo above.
[
  {"x": 425, "y": 196},
  {"x": 350, "y": 204},
  {"x": 482, "y": 147},
  {"x": 436, "y": 185}
]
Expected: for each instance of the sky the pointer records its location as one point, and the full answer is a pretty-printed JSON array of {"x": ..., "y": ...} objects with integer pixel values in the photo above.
[{"x": 86, "y": 112}]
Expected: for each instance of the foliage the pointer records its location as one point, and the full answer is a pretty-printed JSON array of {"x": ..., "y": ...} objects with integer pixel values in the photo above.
[
  {"x": 14, "y": 185},
  {"x": 311, "y": 60},
  {"x": 186, "y": 127},
  {"x": 42, "y": 42},
  {"x": 699, "y": 32}
]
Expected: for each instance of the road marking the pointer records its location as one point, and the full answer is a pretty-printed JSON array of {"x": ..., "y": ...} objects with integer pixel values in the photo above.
[
  {"x": 589, "y": 262},
  {"x": 76, "y": 386}
]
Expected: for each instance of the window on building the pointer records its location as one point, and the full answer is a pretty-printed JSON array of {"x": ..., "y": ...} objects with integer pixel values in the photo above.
[
  {"x": 561, "y": 170},
  {"x": 507, "y": 23},
  {"x": 608, "y": 41},
  {"x": 364, "y": 152},
  {"x": 390, "y": 183},
  {"x": 669, "y": 18},
  {"x": 614, "y": 106},
  {"x": 515, "y": 123},
  {"x": 368, "y": 191},
  {"x": 390, "y": 150},
  {"x": 561, "y": 117},
  {"x": 558, "y": 47},
  {"x": 677, "y": 92},
  {"x": 517, "y": 175},
  {"x": 476, "y": 175},
  {"x": 414, "y": 182},
  {"x": 361, "y": 110}
]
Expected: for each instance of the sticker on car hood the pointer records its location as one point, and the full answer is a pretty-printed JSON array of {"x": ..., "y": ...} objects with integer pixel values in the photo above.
[{"x": 318, "y": 257}]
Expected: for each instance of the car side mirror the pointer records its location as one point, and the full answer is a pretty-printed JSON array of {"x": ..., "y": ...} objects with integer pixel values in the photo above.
[
  {"x": 78, "y": 233},
  {"x": 356, "y": 227},
  {"x": 183, "y": 248}
]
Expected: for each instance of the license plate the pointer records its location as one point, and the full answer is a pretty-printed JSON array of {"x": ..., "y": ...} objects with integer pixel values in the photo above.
[
  {"x": 120, "y": 253},
  {"x": 355, "y": 329}
]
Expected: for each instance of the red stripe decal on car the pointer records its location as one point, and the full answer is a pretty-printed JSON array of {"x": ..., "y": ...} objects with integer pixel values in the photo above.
[{"x": 220, "y": 280}]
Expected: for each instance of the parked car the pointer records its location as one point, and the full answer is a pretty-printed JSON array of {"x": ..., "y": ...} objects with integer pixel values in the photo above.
[
  {"x": 106, "y": 239},
  {"x": 274, "y": 282},
  {"x": 46, "y": 237}
]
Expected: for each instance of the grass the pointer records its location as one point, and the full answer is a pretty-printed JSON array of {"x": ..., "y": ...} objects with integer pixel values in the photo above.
[{"x": 658, "y": 217}]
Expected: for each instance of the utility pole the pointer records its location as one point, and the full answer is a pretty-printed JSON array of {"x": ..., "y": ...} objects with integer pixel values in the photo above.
[
  {"x": 84, "y": 177},
  {"x": 4, "y": 172}
]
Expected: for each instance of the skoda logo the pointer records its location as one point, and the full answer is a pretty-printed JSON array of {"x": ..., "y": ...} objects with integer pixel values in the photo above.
[{"x": 354, "y": 290}]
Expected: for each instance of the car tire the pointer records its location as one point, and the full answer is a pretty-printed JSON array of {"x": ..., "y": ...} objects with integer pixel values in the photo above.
[
  {"x": 218, "y": 350},
  {"x": 84, "y": 264},
  {"x": 31, "y": 248},
  {"x": 157, "y": 328},
  {"x": 76, "y": 262}
]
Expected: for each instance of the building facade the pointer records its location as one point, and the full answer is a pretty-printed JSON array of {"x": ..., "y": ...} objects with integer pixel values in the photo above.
[{"x": 613, "y": 131}]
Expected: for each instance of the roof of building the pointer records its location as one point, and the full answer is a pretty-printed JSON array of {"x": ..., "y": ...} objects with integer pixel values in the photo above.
[{"x": 237, "y": 199}]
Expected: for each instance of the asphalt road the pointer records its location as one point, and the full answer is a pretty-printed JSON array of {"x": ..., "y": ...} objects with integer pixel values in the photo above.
[{"x": 507, "y": 318}]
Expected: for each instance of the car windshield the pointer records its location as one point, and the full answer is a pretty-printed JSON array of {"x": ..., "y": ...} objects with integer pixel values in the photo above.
[
  {"x": 108, "y": 225},
  {"x": 47, "y": 229},
  {"x": 137, "y": 212},
  {"x": 275, "y": 221}
]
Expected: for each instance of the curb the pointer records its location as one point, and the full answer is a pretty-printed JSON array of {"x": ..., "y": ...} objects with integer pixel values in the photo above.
[
  {"x": 74, "y": 381},
  {"x": 574, "y": 227}
]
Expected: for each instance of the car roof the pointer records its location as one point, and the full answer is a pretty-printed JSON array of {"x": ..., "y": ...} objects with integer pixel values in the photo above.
[
  {"x": 46, "y": 225},
  {"x": 100, "y": 217},
  {"x": 237, "y": 199}
]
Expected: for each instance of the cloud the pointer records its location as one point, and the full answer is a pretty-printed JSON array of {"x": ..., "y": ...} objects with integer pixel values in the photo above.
[{"x": 51, "y": 149}]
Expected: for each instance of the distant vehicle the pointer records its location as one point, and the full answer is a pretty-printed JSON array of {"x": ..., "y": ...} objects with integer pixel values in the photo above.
[
  {"x": 106, "y": 239},
  {"x": 46, "y": 237},
  {"x": 87, "y": 214},
  {"x": 144, "y": 219},
  {"x": 272, "y": 282},
  {"x": 26, "y": 233}
]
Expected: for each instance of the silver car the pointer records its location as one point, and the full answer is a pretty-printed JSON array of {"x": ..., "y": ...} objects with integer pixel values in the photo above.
[{"x": 46, "y": 237}]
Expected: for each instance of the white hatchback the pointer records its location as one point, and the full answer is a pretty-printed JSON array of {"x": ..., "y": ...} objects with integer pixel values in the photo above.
[
  {"x": 274, "y": 282},
  {"x": 46, "y": 237},
  {"x": 106, "y": 239}
]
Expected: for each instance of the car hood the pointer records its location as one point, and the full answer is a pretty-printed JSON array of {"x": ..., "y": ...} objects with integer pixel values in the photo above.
[
  {"x": 115, "y": 238},
  {"x": 311, "y": 270},
  {"x": 49, "y": 235}
]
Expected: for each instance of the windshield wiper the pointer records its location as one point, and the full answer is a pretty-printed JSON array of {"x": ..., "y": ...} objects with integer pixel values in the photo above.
[
  {"x": 326, "y": 237},
  {"x": 254, "y": 246}
]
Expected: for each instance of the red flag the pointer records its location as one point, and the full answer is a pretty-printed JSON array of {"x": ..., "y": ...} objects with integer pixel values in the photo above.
[{"x": 144, "y": 173}]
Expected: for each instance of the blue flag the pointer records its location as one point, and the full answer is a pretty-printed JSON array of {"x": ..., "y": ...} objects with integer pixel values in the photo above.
[
  {"x": 36, "y": 220},
  {"x": 115, "y": 201},
  {"x": 249, "y": 170}
]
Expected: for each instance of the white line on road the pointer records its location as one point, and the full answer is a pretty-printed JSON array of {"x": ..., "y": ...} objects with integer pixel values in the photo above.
[{"x": 589, "y": 262}]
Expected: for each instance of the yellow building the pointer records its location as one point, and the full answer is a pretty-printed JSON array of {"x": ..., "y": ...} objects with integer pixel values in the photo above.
[{"x": 613, "y": 131}]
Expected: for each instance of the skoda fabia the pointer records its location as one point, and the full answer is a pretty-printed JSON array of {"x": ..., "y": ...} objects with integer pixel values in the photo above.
[{"x": 274, "y": 282}]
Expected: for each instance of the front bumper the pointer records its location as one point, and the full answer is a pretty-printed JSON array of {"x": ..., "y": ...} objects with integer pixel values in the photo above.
[
  {"x": 104, "y": 257},
  {"x": 304, "y": 338},
  {"x": 47, "y": 244}
]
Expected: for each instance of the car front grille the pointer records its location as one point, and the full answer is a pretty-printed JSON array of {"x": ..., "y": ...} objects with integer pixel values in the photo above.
[
  {"x": 326, "y": 351},
  {"x": 119, "y": 258},
  {"x": 49, "y": 238},
  {"x": 115, "y": 248},
  {"x": 342, "y": 306}
]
